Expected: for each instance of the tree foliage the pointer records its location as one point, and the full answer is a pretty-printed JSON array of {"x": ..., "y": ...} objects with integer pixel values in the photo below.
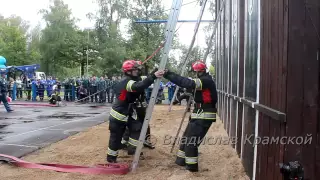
[
  {"x": 59, "y": 38},
  {"x": 13, "y": 40},
  {"x": 195, "y": 54},
  {"x": 63, "y": 49},
  {"x": 209, "y": 29}
]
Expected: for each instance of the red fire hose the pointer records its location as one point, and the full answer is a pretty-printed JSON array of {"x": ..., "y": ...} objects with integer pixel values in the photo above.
[
  {"x": 33, "y": 104},
  {"x": 116, "y": 169}
]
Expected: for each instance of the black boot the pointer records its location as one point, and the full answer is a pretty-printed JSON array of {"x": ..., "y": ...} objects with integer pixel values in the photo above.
[
  {"x": 192, "y": 167},
  {"x": 124, "y": 146},
  {"x": 111, "y": 159},
  {"x": 180, "y": 161},
  {"x": 132, "y": 151}
]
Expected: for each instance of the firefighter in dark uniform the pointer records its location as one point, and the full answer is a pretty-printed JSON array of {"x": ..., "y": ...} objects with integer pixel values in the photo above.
[
  {"x": 41, "y": 88},
  {"x": 28, "y": 87},
  {"x": 94, "y": 89},
  {"x": 55, "y": 96},
  {"x": 141, "y": 110},
  {"x": 123, "y": 112},
  {"x": 3, "y": 92},
  {"x": 203, "y": 115}
]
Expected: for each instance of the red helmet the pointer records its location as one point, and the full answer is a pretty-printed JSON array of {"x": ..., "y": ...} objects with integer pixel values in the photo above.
[
  {"x": 129, "y": 65},
  {"x": 199, "y": 66}
]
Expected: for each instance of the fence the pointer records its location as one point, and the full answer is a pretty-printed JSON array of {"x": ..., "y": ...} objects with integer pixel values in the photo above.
[
  {"x": 33, "y": 93},
  {"x": 267, "y": 58}
]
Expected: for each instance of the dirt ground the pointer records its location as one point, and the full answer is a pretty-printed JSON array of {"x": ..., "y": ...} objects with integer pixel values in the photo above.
[{"x": 218, "y": 162}]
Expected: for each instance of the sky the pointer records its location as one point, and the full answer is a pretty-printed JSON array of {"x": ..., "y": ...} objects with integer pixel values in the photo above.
[{"x": 28, "y": 10}]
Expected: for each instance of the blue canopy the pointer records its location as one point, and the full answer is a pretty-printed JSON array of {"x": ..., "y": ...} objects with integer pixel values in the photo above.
[{"x": 27, "y": 69}]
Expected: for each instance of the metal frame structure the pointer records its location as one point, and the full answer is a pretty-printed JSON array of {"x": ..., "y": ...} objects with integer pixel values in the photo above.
[
  {"x": 213, "y": 35},
  {"x": 203, "y": 4},
  {"x": 169, "y": 34},
  {"x": 165, "y": 21},
  {"x": 183, "y": 70},
  {"x": 170, "y": 29}
]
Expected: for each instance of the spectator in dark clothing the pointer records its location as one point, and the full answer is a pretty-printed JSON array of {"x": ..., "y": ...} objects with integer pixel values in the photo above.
[{"x": 83, "y": 93}]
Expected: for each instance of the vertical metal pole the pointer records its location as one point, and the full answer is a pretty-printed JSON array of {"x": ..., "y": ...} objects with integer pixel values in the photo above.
[
  {"x": 170, "y": 29},
  {"x": 88, "y": 55},
  {"x": 256, "y": 133},
  {"x": 189, "y": 50}
]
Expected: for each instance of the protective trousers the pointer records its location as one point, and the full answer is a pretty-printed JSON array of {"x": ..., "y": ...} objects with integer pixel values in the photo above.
[
  {"x": 125, "y": 138},
  {"x": 192, "y": 138},
  {"x": 117, "y": 129},
  {"x": 141, "y": 113},
  {"x": 3, "y": 99}
]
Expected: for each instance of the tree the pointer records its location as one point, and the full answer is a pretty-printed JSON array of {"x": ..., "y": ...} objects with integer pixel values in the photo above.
[
  {"x": 16, "y": 21},
  {"x": 110, "y": 43},
  {"x": 112, "y": 54},
  {"x": 212, "y": 70},
  {"x": 12, "y": 43},
  {"x": 209, "y": 29},
  {"x": 58, "y": 45},
  {"x": 33, "y": 46},
  {"x": 87, "y": 43},
  {"x": 145, "y": 38},
  {"x": 195, "y": 54}
]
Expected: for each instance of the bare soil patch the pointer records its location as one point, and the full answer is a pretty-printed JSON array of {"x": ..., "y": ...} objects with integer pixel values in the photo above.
[{"x": 218, "y": 162}]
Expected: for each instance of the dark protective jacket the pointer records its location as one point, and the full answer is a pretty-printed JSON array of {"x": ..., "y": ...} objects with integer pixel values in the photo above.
[
  {"x": 127, "y": 92},
  {"x": 3, "y": 86},
  {"x": 141, "y": 103},
  {"x": 205, "y": 95}
]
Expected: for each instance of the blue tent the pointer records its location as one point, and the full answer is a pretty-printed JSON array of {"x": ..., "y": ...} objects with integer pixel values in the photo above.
[{"x": 27, "y": 69}]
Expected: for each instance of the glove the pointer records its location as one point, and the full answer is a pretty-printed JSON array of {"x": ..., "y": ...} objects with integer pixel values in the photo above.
[
  {"x": 167, "y": 72},
  {"x": 154, "y": 70},
  {"x": 152, "y": 73},
  {"x": 153, "y": 76}
]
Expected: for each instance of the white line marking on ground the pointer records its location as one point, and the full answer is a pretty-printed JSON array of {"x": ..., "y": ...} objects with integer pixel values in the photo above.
[
  {"x": 19, "y": 145},
  {"x": 56, "y": 129},
  {"x": 102, "y": 114}
]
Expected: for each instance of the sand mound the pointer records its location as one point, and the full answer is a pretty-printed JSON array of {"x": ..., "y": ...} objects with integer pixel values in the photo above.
[{"x": 218, "y": 162}]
